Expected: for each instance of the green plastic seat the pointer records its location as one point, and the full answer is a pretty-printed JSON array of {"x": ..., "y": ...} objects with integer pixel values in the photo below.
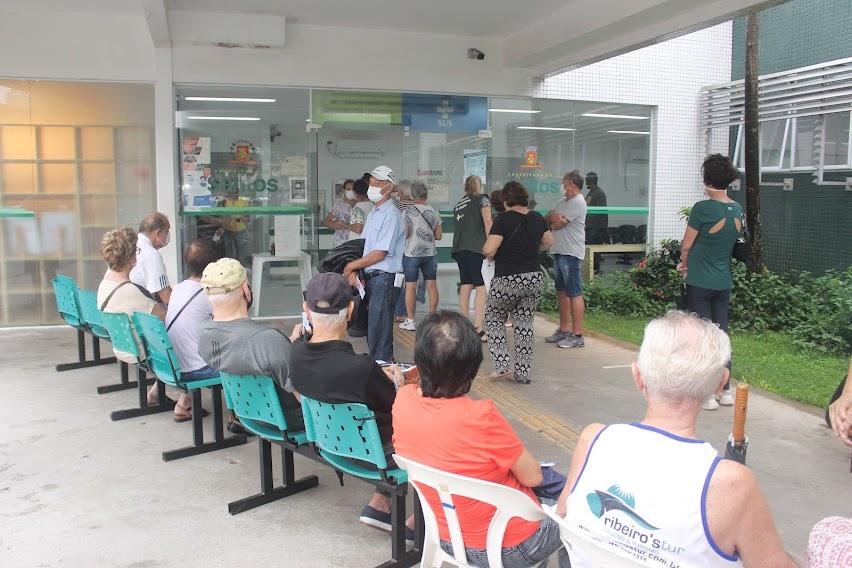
[
  {"x": 121, "y": 335},
  {"x": 65, "y": 290},
  {"x": 346, "y": 432},
  {"x": 161, "y": 355},
  {"x": 92, "y": 316},
  {"x": 254, "y": 400}
]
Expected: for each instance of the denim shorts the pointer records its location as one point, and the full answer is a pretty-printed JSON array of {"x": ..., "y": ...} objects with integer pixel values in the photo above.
[
  {"x": 413, "y": 265},
  {"x": 205, "y": 372},
  {"x": 568, "y": 277},
  {"x": 537, "y": 548}
]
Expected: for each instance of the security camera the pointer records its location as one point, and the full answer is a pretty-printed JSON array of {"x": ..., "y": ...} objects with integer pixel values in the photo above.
[{"x": 474, "y": 53}]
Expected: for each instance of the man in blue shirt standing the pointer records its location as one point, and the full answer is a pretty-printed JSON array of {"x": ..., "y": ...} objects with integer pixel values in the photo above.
[{"x": 384, "y": 244}]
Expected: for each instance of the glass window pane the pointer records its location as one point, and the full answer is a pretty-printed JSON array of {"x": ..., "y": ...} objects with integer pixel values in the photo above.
[
  {"x": 56, "y": 143},
  {"x": 17, "y": 143},
  {"x": 804, "y": 141},
  {"x": 57, "y": 178},
  {"x": 836, "y": 139},
  {"x": 771, "y": 140},
  {"x": 18, "y": 178},
  {"x": 96, "y": 143}
]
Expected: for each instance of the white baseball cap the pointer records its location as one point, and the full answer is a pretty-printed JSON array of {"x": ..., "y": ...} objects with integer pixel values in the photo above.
[{"x": 384, "y": 173}]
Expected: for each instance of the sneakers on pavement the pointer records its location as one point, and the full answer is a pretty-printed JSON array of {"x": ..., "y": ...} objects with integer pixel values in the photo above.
[
  {"x": 572, "y": 341},
  {"x": 408, "y": 325},
  {"x": 375, "y": 518},
  {"x": 710, "y": 404},
  {"x": 726, "y": 398},
  {"x": 558, "y": 336}
]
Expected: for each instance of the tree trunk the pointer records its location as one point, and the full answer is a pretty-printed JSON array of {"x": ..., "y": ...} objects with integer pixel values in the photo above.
[{"x": 752, "y": 145}]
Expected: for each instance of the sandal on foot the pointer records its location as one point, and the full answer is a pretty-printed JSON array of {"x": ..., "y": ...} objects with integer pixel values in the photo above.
[
  {"x": 495, "y": 376},
  {"x": 482, "y": 336},
  {"x": 188, "y": 417}
]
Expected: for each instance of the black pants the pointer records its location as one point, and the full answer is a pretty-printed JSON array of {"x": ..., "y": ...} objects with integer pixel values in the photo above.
[{"x": 712, "y": 305}]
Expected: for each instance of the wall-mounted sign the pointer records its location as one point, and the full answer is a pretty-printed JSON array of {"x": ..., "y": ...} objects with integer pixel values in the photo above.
[{"x": 475, "y": 162}]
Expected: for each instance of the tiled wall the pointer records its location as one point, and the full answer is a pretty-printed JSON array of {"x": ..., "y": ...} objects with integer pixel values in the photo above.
[{"x": 668, "y": 76}]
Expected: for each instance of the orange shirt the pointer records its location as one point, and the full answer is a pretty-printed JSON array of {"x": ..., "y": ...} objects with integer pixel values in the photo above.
[{"x": 467, "y": 437}]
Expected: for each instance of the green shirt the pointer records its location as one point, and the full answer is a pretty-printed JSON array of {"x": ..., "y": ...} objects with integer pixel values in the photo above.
[
  {"x": 709, "y": 261},
  {"x": 469, "y": 231}
]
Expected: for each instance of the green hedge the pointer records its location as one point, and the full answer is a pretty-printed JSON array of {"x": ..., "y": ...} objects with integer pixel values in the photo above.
[{"x": 814, "y": 310}]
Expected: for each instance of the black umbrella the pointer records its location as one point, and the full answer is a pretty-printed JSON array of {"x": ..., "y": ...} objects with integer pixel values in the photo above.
[{"x": 737, "y": 441}]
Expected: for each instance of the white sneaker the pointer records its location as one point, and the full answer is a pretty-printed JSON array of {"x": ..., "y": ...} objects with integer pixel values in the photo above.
[
  {"x": 710, "y": 404},
  {"x": 726, "y": 398},
  {"x": 408, "y": 325}
]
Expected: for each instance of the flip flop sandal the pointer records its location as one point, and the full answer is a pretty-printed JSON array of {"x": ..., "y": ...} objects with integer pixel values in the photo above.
[
  {"x": 483, "y": 336},
  {"x": 495, "y": 376},
  {"x": 188, "y": 417}
]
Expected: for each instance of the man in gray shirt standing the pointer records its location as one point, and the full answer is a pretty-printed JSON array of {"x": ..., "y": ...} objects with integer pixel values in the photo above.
[
  {"x": 234, "y": 343},
  {"x": 568, "y": 223}
]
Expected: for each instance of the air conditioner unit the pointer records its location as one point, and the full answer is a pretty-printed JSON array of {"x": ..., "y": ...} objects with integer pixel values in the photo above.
[{"x": 353, "y": 148}]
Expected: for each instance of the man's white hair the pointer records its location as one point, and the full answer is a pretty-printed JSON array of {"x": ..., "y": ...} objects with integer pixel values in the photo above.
[
  {"x": 227, "y": 297},
  {"x": 683, "y": 358},
  {"x": 329, "y": 320}
]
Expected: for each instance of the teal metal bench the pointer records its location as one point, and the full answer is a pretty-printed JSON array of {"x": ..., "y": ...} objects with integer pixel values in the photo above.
[
  {"x": 346, "y": 436},
  {"x": 120, "y": 331},
  {"x": 68, "y": 305},
  {"x": 163, "y": 362},
  {"x": 93, "y": 318},
  {"x": 255, "y": 401}
]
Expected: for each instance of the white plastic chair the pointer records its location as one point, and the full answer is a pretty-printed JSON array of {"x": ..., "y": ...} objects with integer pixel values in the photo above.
[
  {"x": 508, "y": 502},
  {"x": 586, "y": 553}
]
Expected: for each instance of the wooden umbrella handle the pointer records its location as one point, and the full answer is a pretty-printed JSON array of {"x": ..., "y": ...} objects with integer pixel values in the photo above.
[{"x": 740, "y": 409}]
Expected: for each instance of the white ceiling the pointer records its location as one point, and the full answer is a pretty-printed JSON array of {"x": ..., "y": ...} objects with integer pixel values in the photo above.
[{"x": 473, "y": 18}]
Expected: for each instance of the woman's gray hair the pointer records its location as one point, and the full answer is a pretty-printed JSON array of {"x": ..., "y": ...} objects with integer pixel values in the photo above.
[
  {"x": 330, "y": 320},
  {"x": 683, "y": 358},
  {"x": 419, "y": 190}
]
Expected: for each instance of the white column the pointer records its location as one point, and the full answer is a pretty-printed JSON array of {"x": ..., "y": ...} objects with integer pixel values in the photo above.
[{"x": 164, "y": 139}]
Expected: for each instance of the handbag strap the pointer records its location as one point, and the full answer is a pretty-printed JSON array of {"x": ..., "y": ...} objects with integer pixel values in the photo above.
[
  {"x": 431, "y": 228},
  {"x": 111, "y": 294},
  {"x": 180, "y": 311}
]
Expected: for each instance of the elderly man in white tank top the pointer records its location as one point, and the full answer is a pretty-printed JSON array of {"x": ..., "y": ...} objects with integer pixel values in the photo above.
[{"x": 652, "y": 489}]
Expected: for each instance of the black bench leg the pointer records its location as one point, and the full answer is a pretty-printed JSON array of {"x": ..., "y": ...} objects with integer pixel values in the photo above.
[
  {"x": 163, "y": 404},
  {"x": 82, "y": 362},
  {"x": 198, "y": 445},
  {"x": 400, "y": 557},
  {"x": 125, "y": 383},
  {"x": 268, "y": 493}
]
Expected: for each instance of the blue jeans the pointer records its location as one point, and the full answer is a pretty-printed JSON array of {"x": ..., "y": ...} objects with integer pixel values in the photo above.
[
  {"x": 382, "y": 297},
  {"x": 568, "y": 278},
  {"x": 414, "y": 265},
  {"x": 537, "y": 548},
  {"x": 205, "y": 372}
]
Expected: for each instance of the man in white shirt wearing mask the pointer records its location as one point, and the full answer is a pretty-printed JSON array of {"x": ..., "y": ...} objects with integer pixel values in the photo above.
[
  {"x": 384, "y": 244},
  {"x": 150, "y": 270}
]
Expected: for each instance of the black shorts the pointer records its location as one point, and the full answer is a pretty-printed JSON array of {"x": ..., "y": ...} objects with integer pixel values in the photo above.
[{"x": 470, "y": 267}]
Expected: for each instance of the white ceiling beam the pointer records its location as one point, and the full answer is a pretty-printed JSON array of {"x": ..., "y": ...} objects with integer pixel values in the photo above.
[
  {"x": 157, "y": 17},
  {"x": 585, "y": 31}
]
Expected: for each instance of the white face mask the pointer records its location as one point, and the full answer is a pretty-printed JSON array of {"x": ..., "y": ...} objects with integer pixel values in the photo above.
[
  {"x": 168, "y": 239},
  {"x": 350, "y": 195},
  {"x": 374, "y": 193}
]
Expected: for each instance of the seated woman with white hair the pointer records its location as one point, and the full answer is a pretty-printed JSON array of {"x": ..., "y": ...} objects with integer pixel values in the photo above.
[{"x": 652, "y": 489}]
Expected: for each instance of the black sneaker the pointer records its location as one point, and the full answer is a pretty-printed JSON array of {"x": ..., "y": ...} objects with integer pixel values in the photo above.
[
  {"x": 239, "y": 429},
  {"x": 375, "y": 518}
]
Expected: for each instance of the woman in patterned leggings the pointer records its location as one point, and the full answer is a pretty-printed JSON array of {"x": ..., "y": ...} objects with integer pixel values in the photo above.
[{"x": 516, "y": 237}]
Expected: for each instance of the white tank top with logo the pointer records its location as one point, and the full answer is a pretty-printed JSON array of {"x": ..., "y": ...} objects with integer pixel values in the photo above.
[{"x": 643, "y": 491}]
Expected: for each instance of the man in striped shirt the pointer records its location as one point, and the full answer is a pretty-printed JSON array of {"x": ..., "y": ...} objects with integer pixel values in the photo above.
[{"x": 150, "y": 270}]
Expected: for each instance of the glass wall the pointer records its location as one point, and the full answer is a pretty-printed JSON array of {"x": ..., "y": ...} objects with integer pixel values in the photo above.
[
  {"x": 79, "y": 156},
  {"x": 248, "y": 182}
]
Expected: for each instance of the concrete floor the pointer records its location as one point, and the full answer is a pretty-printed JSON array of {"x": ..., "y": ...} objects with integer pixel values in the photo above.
[{"x": 77, "y": 490}]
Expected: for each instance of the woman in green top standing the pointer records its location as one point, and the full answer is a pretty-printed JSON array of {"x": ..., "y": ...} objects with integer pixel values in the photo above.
[{"x": 713, "y": 228}]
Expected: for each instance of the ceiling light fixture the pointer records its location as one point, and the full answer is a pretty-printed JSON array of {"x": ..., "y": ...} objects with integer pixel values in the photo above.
[
  {"x": 627, "y": 132},
  {"x": 245, "y": 118},
  {"x": 544, "y": 128},
  {"x": 514, "y": 110},
  {"x": 624, "y": 116},
  {"x": 229, "y": 99}
]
